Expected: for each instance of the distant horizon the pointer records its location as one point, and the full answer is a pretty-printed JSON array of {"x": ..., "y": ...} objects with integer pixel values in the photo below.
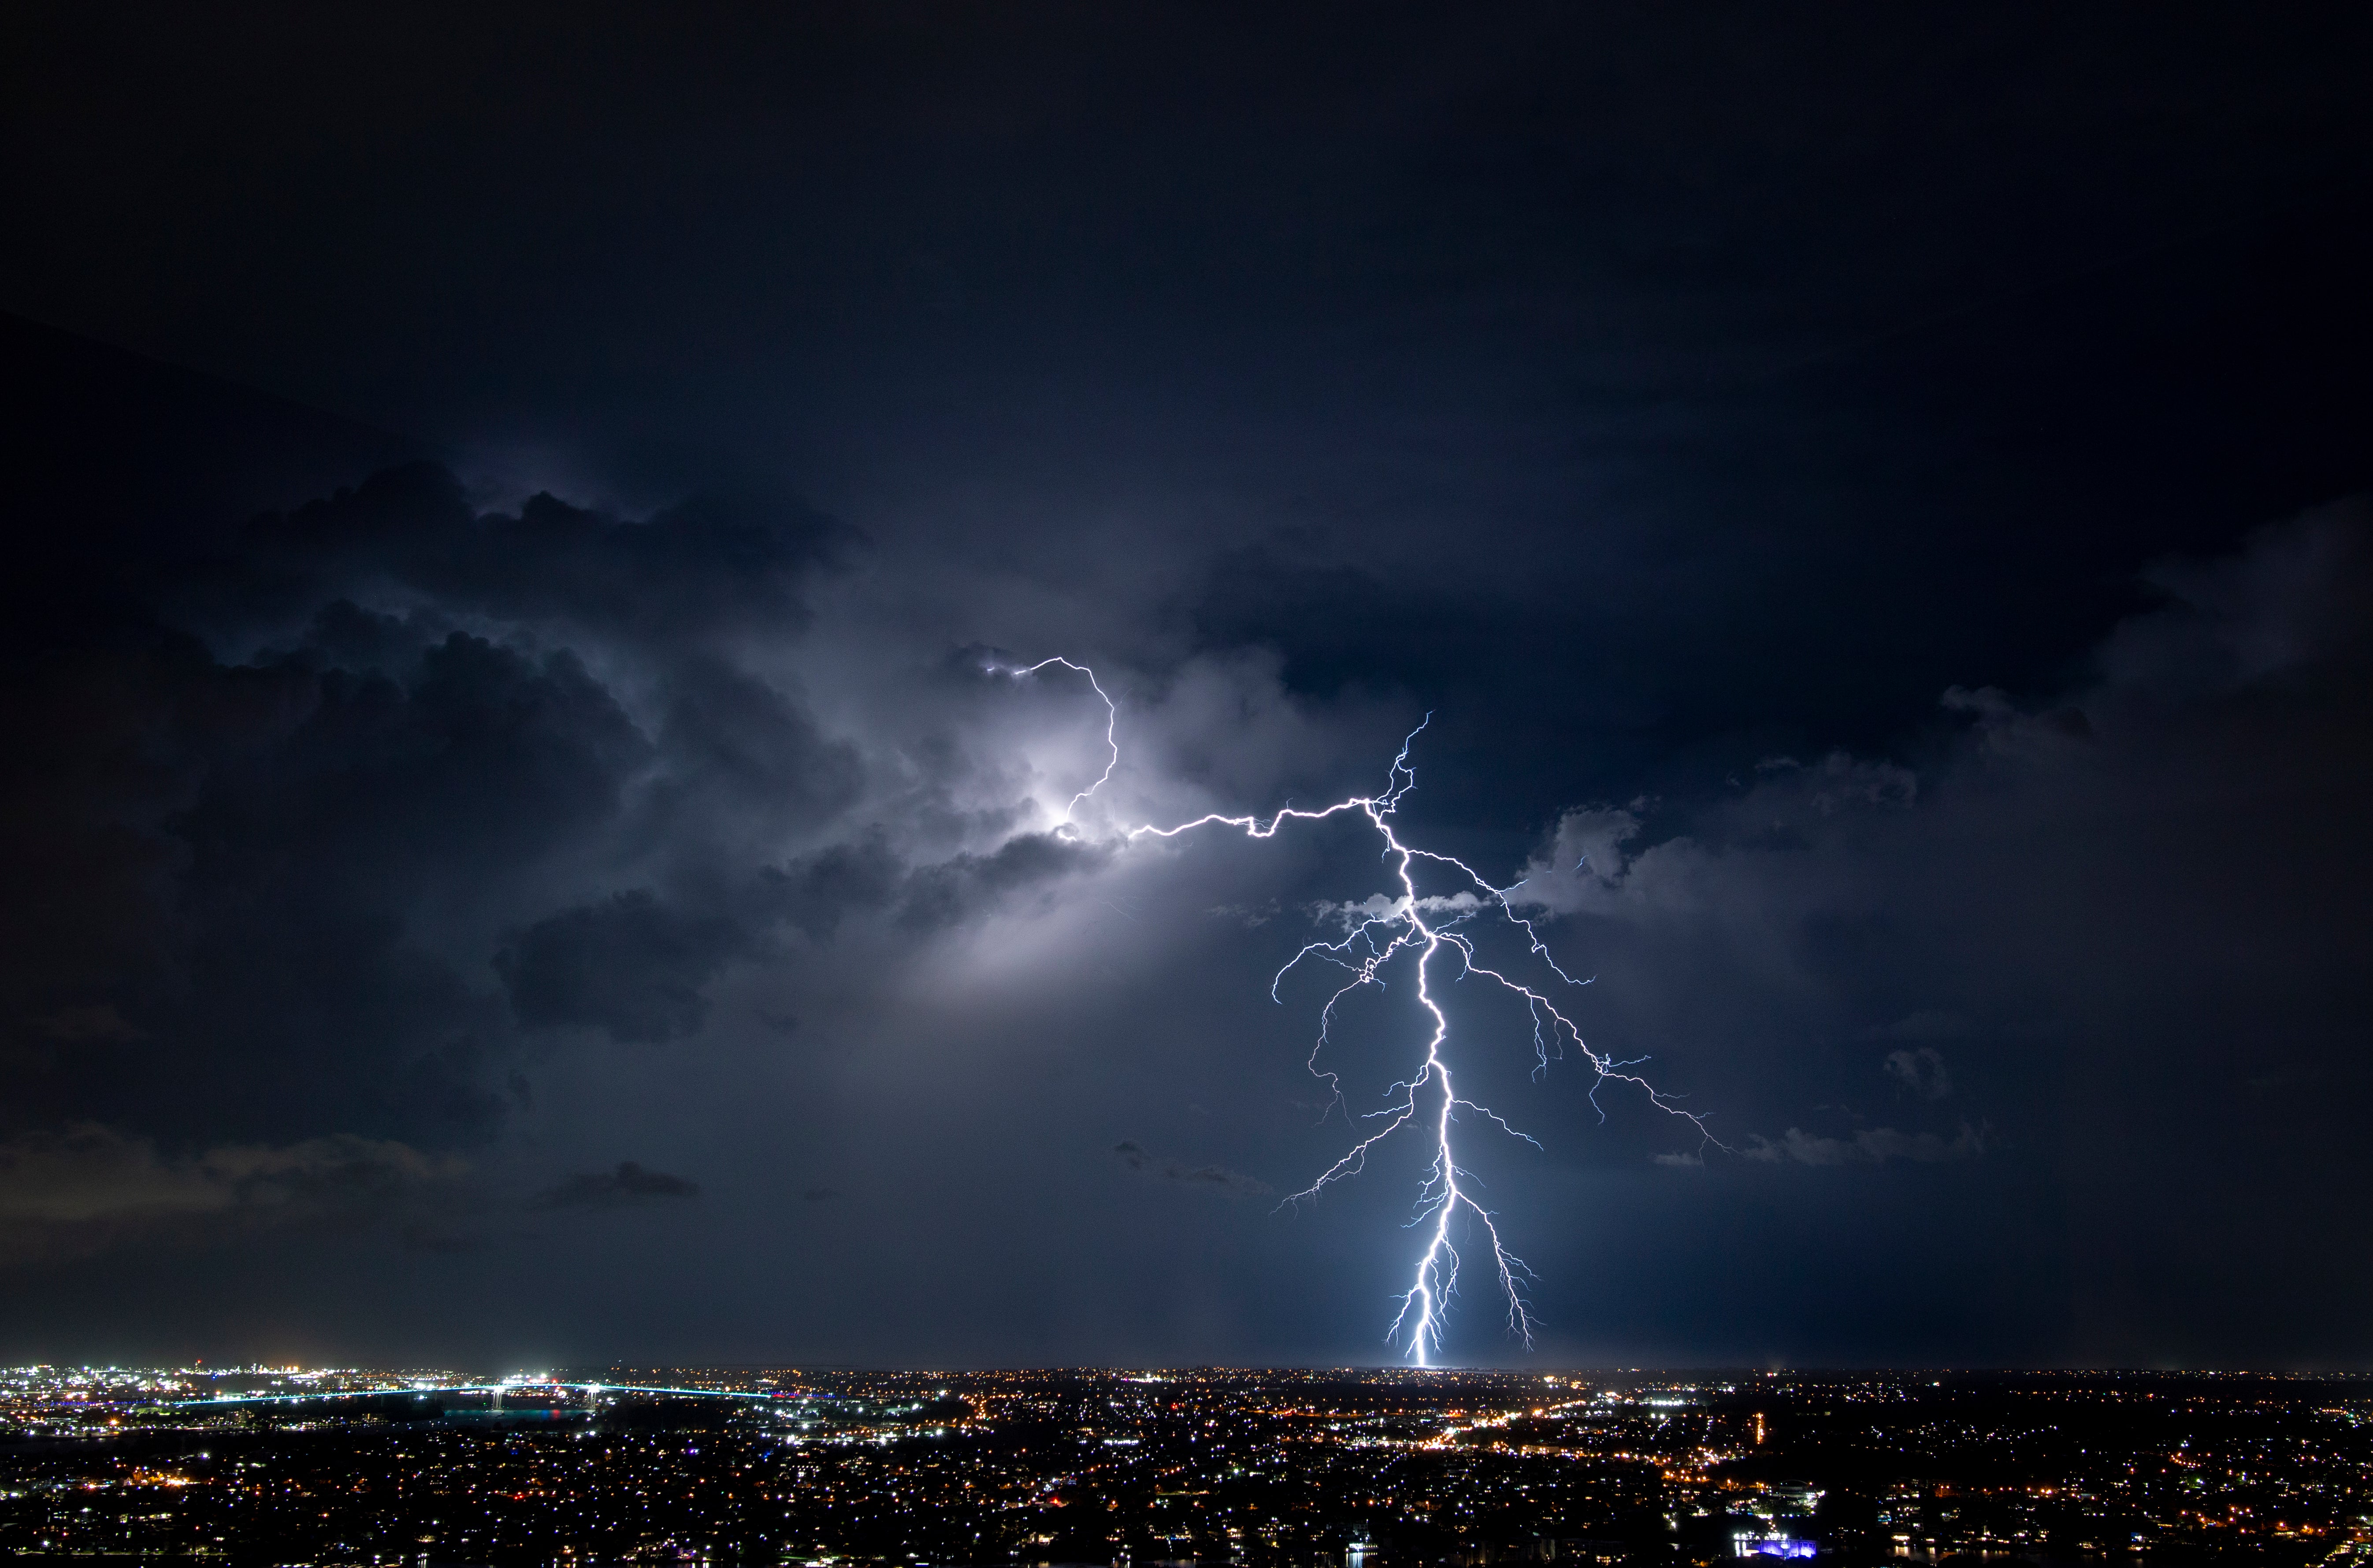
[{"x": 527, "y": 1374}]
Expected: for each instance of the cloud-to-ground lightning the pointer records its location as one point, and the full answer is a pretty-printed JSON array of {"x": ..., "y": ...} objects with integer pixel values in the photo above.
[{"x": 1419, "y": 928}]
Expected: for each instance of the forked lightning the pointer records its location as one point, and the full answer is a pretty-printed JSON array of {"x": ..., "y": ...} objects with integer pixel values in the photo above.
[{"x": 1418, "y": 927}]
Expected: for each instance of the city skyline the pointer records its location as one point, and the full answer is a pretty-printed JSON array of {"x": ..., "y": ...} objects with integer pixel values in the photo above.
[{"x": 1320, "y": 1468}]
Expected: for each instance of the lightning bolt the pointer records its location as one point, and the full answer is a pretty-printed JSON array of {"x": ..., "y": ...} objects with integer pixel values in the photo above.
[
  {"x": 1423, "y": 926},
  {"x": 1112, "y": 722}
]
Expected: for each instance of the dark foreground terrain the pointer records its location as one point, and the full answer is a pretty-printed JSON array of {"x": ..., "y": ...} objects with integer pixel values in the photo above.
[{"x": 1347, "y": 1469}]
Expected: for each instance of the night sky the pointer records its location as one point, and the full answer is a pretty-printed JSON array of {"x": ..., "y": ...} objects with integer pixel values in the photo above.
[{"x": 513, "y": 852}]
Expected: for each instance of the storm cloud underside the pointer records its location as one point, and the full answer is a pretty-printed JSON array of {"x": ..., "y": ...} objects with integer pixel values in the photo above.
[{"x": 1881, "y": 554}]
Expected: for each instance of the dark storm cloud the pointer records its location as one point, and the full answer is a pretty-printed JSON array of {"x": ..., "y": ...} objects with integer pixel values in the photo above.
[
  {"x": 1840, "y": 956},
  {"x": 267, "y": 877},
  {"x": 742, "y": 754},
  {"x": 2112, "y": 906},
  {"x": 710, "y": 569},
  {"x": 394, "y": 853},
  {"x": 87, "y": 1188},
  {"x": 626, "y": 1187},
  {"x": 333, "y": 834},
  {"x": 629, "y": 964},
  {"x": 817, "y": 891},
  {"x": 477, "y": 750}
]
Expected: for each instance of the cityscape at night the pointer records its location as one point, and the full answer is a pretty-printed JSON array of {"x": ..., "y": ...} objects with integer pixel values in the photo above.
[
  {"x": 1315, "y": 1469},
  {"x": 1186, "y": 784}
]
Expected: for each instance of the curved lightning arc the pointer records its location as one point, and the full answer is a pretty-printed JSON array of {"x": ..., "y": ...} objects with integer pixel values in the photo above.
[{"x": 1423, "y": 925}]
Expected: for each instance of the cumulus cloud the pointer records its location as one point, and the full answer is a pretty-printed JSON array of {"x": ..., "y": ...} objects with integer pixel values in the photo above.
[{"x": 628, "y": 1186}]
